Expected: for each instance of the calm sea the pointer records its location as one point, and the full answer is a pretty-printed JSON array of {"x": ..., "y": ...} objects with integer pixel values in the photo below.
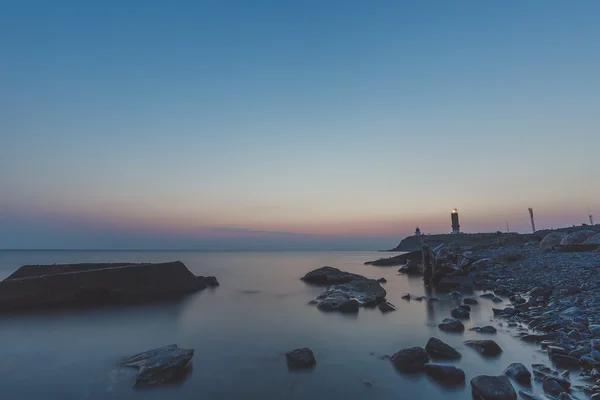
[{"x": 240, "y": 331}]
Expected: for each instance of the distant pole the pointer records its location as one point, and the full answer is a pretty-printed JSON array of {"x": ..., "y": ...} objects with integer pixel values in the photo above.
[
  {"x": 591, "y": 219},
  {"x": 532, "y": 221},
  {"x": 507, "y": 230}
]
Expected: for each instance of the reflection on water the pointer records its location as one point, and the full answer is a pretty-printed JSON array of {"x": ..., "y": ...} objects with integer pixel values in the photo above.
[{"x": 240, "y": 332}]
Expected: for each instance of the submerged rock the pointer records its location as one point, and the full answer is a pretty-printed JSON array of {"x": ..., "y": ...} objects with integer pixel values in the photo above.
[
  {"x": 348, "y": 297},
  {"x": 488, "y": 348},
  {"x": 410, "y": 360},
  {"x": 300, "y": 358},
  {"x": 461, "y": 312},
  {"x": 445, "y": 374},
  {"x": 518, "y": 372},
  {"x": 451, "y": 325},
  {"x": 330, "y": 276},
  {"x": 440, "y": 350},
  {"x": 386, "y": 306},
  {"x": 159, "y": 366},
  {"x": 493, "y": 388}
]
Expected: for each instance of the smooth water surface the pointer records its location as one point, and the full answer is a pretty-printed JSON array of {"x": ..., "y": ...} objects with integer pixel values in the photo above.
[{"x": 240, "y": 331}]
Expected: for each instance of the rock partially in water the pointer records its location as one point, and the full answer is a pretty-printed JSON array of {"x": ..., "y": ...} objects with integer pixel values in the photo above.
[
  {"x": 386, "y": 307},
  {"x": 461, "y": 312},
  {"x": 493, "y": 388},
  {"x": 488, "y": 348},
  {"x": 159, "y": 366},
  {"x": 551, "y": 240},
  {"x": 300, "y": 358},
  {"x": 488, "y": 329},
  {"x": 577, "y": 237},
  {"x": 470, "y": 300},
  {"x": 566, "y": 396},
  {"x": 411, "y": 268},
  {"x": 412, "y": 359},
  {"x": 382, "y": 280},
  {"x": 544, "y": 373},
  {"x": 348, "y": 297},
  {"x": 487, "y": 296},
  {"x": 445, "y": 374},
  {"x": 330, "y": 276},
  {"x": 518, "y": 372},
  {"x": 526, "y": 394},
  {"x": 564, "y": 361},
  {"x": 552, "y": 387},
  {"x": 451, "y": 325},
  {"x": 440, "y": 350},
  {"x": 397, "y": 260}
]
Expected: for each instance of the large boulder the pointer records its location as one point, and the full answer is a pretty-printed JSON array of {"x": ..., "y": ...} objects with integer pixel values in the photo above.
[
  {"x": 577, "y": 237},
  {"x": 488, "y": 348},
  {"x": 96, "y": 284},
  {"x": 412, "y": 359},
  {"x": 493, "y": 388},
  {"x": 593, "y": 240},
  {"x": 441, "y": 350},
  {"x": 445, "y": 374},
  {"x": 451, "y": 325},
  {"x": 519, "y": 373},
  {"x": 330, "y": 276},
  {"x": 300, "y": 358},
  {"x": 159, "y": 366},
  {"x": 348, "y": 297},
  {"x": 551, "y": 240}
]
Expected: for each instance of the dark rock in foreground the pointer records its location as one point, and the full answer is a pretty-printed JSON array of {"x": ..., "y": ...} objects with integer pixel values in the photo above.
[
  {"x": 38, "y": 286},
  {"x": 349, "y": 297},
  {"x": 445, "y": 374},
  {"x": 470, "y": 300},
  {"x": 386, "y": 307},
  {"x": 300, "y": 358},
  {"x": 330, "y": 276},
  {"x": 461, "y": 312},
  {"x": 551, "y": 386},
  {"x": 410, "y": 360},
  {"x": 451, "y": 325},
  {"x": 493, "y": 388},
  {"x": 159, "y": 366},
  {"x": 441, "y": 350},
  {"x": 488, "y": 348},
  {"x": 519, "y": 373}
]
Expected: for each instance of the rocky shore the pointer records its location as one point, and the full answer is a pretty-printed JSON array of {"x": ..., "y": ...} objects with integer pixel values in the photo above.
[{"x": 553, "y": 287}]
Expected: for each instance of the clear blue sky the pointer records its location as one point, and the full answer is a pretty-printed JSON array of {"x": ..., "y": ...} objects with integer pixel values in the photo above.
[{"x": 273, "y": 124}]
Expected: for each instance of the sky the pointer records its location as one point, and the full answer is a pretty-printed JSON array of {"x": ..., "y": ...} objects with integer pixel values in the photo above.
[{"x": 308, "y": 124}]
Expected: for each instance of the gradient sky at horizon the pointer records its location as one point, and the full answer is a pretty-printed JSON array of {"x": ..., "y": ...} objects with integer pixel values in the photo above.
[{"x": 306, "y": 124}]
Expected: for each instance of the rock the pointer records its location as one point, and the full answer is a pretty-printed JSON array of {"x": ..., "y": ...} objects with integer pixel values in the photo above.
[
  {"x": 595, "y": 344},
  {"x": 411, "y": 268},
  {"x": 470, "y": 300},
  {"x": 595, "y": 354},
  {"x": 566, "y": 396},
  {"x": 386, "y": 307},
  {"x": 497, "y": 299},
  {"x": 543, "y": 373},
  {"x": 572, "y": 313},
  {"x": 382, "y": 280},
  {"x": 455, "y": 295},
  {"x": 159, "y": 366},
  {"x": 348, "y": 297},
  {"x": 564, "y": 361},
  {"x": 440, "y": 350},
  {"x": 300, "y": 358},
  {"x": 488, "y": 348},
  {"x": 451, "y": 325},
  {"x": 95, "y": 284},
  {"x": 406, "y": 297},
  {"x": 551, "y": 386},
  {"x": 580, "y": 351},
  {"x": 551, "y": 240},
  {"x": 595, "y": 396},
  {"x": 493, "y": 388},
  {"x": 488, "y": 329},
  {"x": 330, "y": 276},
  {"x": 487, "y": 296},
  {"x": 445, "y": 374},
  {"x": 556, "y": 350},
  {"x": 460, "y": 312},
  {"x": 410, "y": 360},
  {"x": 577, "y": 237},
  {"x": 588, "y": 362},
  {"x": 534, "y": 338},
  {"x": 526, "y": 394},
  {"x": 594, "y": 330},
  {"x": 593, "y": 240},
  {"x": 397, "y": 260},
  {"x": 518, "y": 372}
]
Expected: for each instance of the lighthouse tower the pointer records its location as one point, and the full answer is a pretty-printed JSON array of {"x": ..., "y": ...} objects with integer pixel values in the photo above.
[{"x": 455, "y": 225}]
